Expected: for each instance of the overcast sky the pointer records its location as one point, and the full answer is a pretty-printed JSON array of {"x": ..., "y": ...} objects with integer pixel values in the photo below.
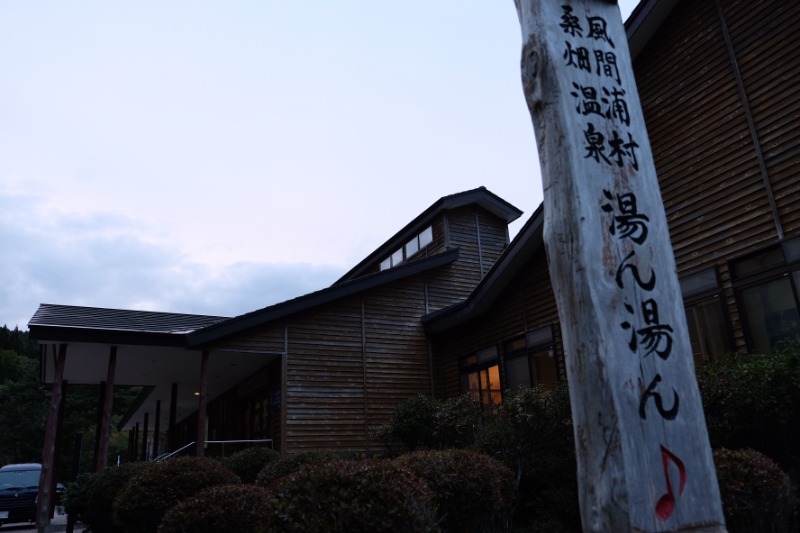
[{"x": 216, "y": 157}]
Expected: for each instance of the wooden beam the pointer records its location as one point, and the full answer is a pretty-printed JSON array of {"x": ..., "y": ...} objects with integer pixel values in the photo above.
[
  {"x": 172, "y": 438},
  {"x": 644, "y": 460},
  {"x": 104, "y": 427},
  {"x": 145, "y": 435},
  {"x": 200, "y": 439},
  {"x": 47, "y": 480},
  {"x": 157, "y": 429}
]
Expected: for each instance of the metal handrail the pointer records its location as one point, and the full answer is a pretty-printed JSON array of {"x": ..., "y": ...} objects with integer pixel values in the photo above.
[{"x": 165, "y": 456}]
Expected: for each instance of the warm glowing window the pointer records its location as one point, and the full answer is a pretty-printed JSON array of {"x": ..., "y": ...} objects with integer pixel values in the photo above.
[{"x": 480, "y": 376}]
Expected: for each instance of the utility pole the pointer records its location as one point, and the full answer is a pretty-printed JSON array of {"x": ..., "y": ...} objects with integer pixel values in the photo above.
[{"x": 644, "y": 459}]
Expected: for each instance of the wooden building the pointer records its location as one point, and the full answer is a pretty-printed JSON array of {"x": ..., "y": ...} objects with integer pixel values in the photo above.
[{"x": 448, "y": 305}]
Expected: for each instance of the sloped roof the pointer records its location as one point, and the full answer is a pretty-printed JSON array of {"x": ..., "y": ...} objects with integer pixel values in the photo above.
[
  {"x": 241, "y": 323},
  {"x": 480, "y": 196},
  {"x": 76, "y": 323}
]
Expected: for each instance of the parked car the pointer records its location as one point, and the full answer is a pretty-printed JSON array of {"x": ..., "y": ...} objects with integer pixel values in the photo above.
[{"x": 19, "y": 488}]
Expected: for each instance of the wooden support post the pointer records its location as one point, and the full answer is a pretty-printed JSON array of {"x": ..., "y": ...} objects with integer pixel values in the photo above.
[
  {"x": 144, "y": 435},
  {"x": 156, "y": 429},
  {"x": 104, "y": 427},
  {"x": 200, "y": 439},
  {"x": 644, "y": 460},
  {"x": 47, "y": 479},
  {"x": 172, "y": 432}
]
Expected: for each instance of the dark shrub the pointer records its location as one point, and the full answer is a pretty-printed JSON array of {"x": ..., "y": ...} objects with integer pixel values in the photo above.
[
  {"x": 142, "y": 502},
  {"x": 283, "y": 466},
  {"x": 76, "y": 497},
  {"x": 425, "y": 422},
  {"x": 756, "y": 494},
  {"x": 472, "y": 491},
  {"x": 218, "y": 509},
  {"x": 753, "y": 401},
  {"x": 102, "y": 492},
  {"x": 531, "y": 432},
  {"x": 346, "y": 496},
  {"x": 413, "y": 422},
  {"x": 456, "y": 422},
  {"x": 248, "y": 463}
]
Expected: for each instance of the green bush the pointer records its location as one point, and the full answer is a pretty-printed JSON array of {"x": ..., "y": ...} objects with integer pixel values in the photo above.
[
  {"x": 218, "y": 509},
  {"x": 76, "y": 497},
  {"x": 346, "y": 496},
  {"x": 457, "y": 422},
  {"x": 283, "y": 466},
  {"x": 531, "y": 432},
  {"x": 756, "y": 494},
  {"x": 753, "y": 401},
  {"x": 472, "y": 491},
  {"x": 248, "y": 463},
  {"x": 425, "y": 422},
  {"x": 413, "y": 422},
  {"x": 102, "y": 492},
  {"x": 143, "y": 501}
]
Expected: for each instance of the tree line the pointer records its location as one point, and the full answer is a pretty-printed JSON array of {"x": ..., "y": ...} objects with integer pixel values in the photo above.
[{"x": 24, "y": 401}]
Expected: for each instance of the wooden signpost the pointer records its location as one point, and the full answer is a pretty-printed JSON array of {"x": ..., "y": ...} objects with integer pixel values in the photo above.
[{"x": 644, "y": 460}]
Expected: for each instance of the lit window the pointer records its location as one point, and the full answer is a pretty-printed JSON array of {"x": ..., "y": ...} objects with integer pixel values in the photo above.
[{"x": 480, "y": 376}]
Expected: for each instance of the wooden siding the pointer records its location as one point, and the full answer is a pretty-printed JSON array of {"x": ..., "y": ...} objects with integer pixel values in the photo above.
[
  {"x": 526, "y": 304},
  {"x": 713, "y": 188},
  {"x": 398, "y": 362},
  {"x": 764, "y": 36},
  {"x": 325, "y": 403},
  {"x": 715, "y": 199},
  {"x": 480, "y": 238}
]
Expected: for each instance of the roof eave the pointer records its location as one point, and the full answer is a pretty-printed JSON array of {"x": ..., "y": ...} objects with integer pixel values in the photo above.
[
  {"x": 480, "y": 196},
  {"x": 282, "y": 310}
]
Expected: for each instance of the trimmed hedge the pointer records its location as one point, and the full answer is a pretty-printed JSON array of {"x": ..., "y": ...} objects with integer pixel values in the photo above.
[
  {"x": 143, "y": 501},
  {"x": 473, "y": 492},
  {"x": 346, "y": 496},
  {"x": 756, "y": 494},
  {"x": 248, "y": 463},
  {"x": 219, "y": 509},
  {"x": 283, "y": 466},
  {"x": 102, "y": 492}
]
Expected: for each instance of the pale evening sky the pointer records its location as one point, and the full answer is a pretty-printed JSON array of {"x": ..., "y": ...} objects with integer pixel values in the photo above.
[{"x": 213, "y": 157}]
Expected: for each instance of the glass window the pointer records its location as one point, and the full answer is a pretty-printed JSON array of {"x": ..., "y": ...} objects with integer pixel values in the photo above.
[
  {"x": 426, "y": 237},
  {"x": 480, "y": 376},
  {"x": 490, "y": 386},
  {"x": 771, "y": 314},
  {"x": 755, "y": 264},
  {"x": 397, "y": 257},
  {"x": 792, "y": 250},
  {"x": 699, "y": 282},
  {"x": 708, "y": 332},
  {"x": 412, "y": 247},
  {"x": 386, "y": 264},
  {"x": 539, "y": 337},
  {"x": 518, "y": 372},
  {"x": 487, "y": 354},
  {"x": 545, "y": 373}
]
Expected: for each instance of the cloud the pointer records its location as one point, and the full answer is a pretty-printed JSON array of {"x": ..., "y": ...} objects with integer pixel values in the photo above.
[{"x": 102, "y": 259}]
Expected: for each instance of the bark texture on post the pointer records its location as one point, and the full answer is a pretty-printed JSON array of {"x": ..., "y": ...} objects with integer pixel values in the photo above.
[
  {"x": 47, "y": 480},
  {"x": 644, "y": 460}
]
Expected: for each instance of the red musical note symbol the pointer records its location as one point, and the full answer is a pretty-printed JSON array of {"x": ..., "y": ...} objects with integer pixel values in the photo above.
[{"x": 666, "y": 504}]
